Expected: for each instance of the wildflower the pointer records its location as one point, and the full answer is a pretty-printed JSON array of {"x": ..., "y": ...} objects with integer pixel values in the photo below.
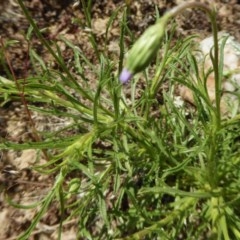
[
  {"x": 125, "y": 75},
  {"x": 144, "y": 50}
]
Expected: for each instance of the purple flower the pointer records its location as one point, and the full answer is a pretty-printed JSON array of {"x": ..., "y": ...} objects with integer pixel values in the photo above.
[{"x": 125, "y": 76}]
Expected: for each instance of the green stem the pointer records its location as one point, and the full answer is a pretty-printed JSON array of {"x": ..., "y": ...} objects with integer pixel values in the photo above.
[
  {"x": 215, "y": 60},
  {"x": 49, "y": 48},
  {"x": 87, "y": 5},
  {"x": 218, "y": 81},
  {"x": 177, "y": 10},
  {"x": 215, "y": 125}
]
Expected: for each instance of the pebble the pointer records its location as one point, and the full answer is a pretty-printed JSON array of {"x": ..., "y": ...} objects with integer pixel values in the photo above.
[{"x": 231, "y": 72}]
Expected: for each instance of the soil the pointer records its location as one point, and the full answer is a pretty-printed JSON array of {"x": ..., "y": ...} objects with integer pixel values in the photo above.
[{"x": 18, "y": 181}]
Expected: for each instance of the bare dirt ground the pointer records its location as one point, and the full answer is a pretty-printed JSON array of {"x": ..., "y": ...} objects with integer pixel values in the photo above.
[{"x": 17, "y": 180}]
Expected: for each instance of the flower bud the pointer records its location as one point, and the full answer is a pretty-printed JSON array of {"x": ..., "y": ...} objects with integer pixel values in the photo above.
[{"x": 144, "y": 50}]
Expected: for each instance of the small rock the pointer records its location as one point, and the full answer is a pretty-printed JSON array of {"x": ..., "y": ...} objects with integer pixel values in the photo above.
[{"x": 231, "y": 72}]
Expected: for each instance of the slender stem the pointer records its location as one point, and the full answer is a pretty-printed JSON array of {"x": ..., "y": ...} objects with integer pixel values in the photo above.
[
  {"x": 178, "y": 9},
  {"x": 49, "y": 48},
  {"x": 215, "y": 126},
  {"x": 54, "y": 54},
  {"x": 218, "y": 81},
  {"x": 87, "y": 5},
  {"x": 215, "y": 61}
]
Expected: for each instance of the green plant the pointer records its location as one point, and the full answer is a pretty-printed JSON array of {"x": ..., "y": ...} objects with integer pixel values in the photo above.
[{"x": 138, "y": 170}]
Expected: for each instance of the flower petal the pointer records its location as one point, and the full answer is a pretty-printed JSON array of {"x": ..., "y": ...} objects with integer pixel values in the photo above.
[{"x": 125, "y": 76}]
